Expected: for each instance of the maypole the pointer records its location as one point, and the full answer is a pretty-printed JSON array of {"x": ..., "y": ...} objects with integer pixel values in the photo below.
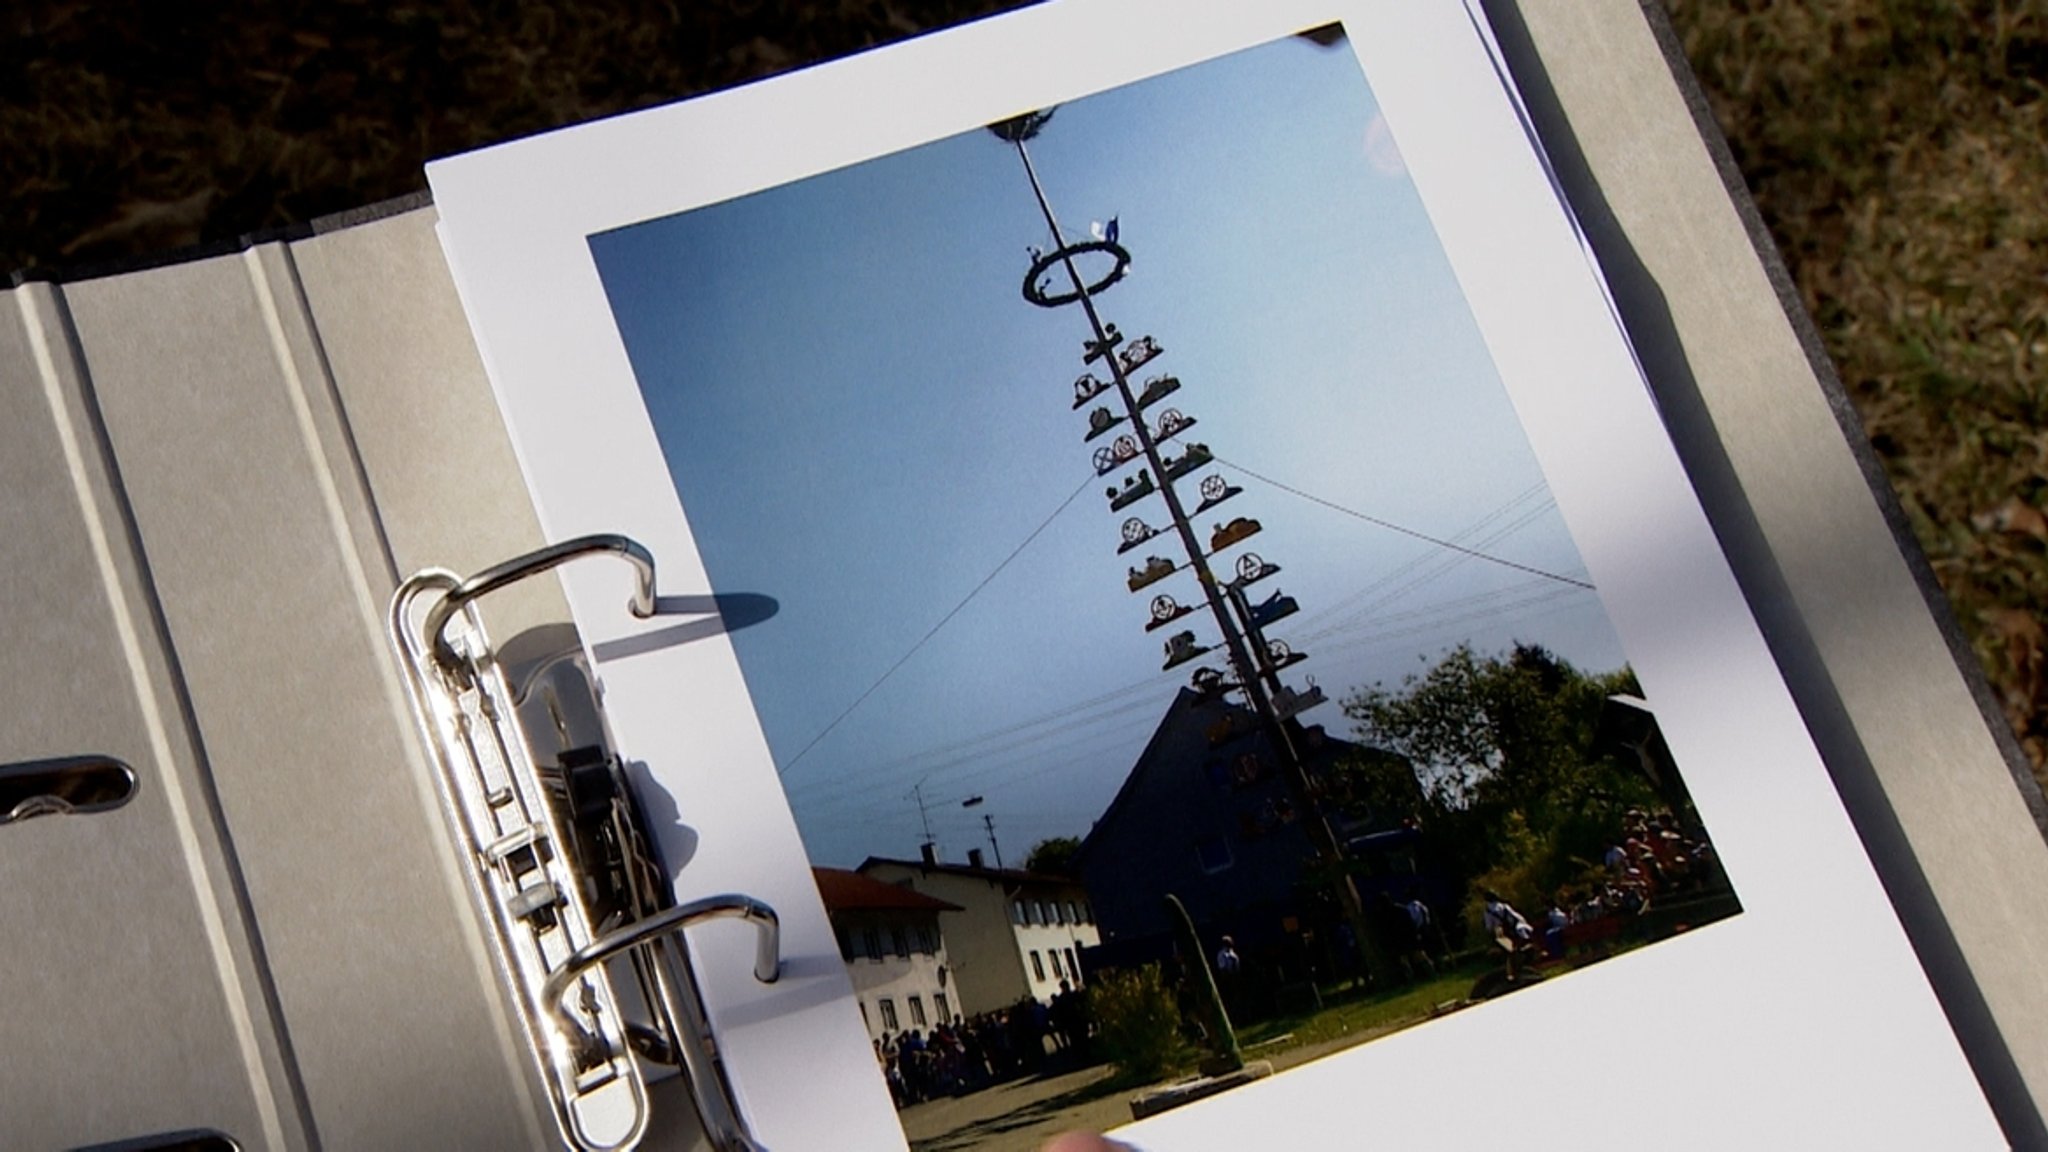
[{"x": 1141, "y": 442}]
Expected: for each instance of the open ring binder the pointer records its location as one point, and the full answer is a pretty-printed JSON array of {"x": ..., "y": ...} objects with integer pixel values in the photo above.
[{"x": 560, "y": 862}]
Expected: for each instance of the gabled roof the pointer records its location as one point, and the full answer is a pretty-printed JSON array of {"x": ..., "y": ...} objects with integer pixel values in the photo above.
[
  {"x": 1183, "y": 700},
  {"x": 845, "y": 891},
  {"x": 1182, "y": 712}
]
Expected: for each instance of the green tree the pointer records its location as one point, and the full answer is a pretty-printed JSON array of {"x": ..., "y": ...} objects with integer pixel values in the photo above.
[
  {"x": 1514, "y": 789},
  {"x": 1054, "y": 857},
  {"x": 1376, "y": 789},
  {"x": 1514, "y": 730}
]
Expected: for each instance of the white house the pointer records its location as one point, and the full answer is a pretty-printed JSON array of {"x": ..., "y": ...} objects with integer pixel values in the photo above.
[
  {"x": 1017, "y": 933},
  {"x": 894, "y": 951}
]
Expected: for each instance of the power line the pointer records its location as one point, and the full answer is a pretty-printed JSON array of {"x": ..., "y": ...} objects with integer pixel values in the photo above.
[
  {"x": 998, "y": 760},
  {"x": 867, "y": 794},
  {"x": 985, "y": 746},
  {"x": 908, "y": 764},
  {"x": 1464, "y": 611},
  {"x": 943, "y": 621},
  {"x": 1051, "y": 764},
  {"x": 1438, "y": 542},
  {"x": 1433, "y": 566},
  {"x": 1420, "y": 569},
  {"x": 1450, "y": 611},
  {"x": 1393, "y": 527},
  {"x": 976, "y": 746},
  {"x": 952, "y": 754},
  {"x": 1522, "y": 606}
]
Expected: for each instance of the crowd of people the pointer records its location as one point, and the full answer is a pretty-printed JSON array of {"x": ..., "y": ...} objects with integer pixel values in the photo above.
[
  {"x": 967, "y": 1055},
  {"x": 1651, "y": 859},
  {"x": 1654, "y": 858}
]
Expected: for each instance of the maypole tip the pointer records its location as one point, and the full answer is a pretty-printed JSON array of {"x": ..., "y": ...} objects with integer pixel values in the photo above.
[{"x": 1018, "y": 129}]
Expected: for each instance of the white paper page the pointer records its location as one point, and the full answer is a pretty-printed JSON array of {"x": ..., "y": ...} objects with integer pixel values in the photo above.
[{"x": 1802, "y": 1021}]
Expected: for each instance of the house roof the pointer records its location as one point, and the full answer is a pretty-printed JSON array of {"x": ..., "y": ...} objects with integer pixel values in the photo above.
[
  {"x": 845, "y": 891},
  {"x": 1190, "y": 708},
  {"x": 1014, "y": 876}
]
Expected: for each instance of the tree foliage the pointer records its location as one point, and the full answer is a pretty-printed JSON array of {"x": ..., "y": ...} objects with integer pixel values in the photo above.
[
  {"x": 1514, "y": 793},
  {"x": 1375, "y": 788},
  {"x": 1514, "y": 730},
  {"x": 1053, "y": 857}
]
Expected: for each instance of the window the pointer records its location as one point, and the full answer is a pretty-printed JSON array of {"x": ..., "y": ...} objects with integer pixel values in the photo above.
[
  {"x": 1017, "y": 912},
  {"x": 945, "y": 1010},
  {"x": 1213, "y": 852},
  {"x": 845, "y": 944},
  {"x": 1042, "y": 917},
  {"x": 873, "y": 939},
  {"x": 1053, "y": 954},
  {"x": 1037, "y": 967},
  {"x": 1087, "y": 913},
  {"x": 900, "y": 937},
  {"x": 1073, "y": 969},
  {"x": 888, "y": 1008},
  {"x": 1059, "y": 914},
  {"x": 927, "y": 940},
  {"x": 917, "y": 1019},
  {"x": 1073, "y": 913}
]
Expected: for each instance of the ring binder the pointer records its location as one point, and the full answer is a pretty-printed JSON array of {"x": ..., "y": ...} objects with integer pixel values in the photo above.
[{"x": 560, "y": 862}]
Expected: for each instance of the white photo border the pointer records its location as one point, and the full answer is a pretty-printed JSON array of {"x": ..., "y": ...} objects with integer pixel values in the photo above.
[{"x": 1804, "y": 1021}]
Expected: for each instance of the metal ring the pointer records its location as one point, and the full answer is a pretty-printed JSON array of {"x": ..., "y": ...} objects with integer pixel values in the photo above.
[
  {"x": 1045, "y": 263},
  {"x": 533, "y": 563},
  {"x": 767, "y": 949}
]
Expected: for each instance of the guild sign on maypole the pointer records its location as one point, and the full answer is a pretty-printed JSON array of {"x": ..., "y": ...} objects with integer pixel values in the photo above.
[{"x": 1143, "y": 450}]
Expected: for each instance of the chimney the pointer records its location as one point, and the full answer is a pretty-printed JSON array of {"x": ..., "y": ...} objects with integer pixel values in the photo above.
[
  {"x": 931, "y": 854},
  {"x": 974, "y": 858}
]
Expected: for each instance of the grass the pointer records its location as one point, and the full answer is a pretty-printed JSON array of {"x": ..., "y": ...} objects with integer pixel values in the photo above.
[
  {"x": 1020, "y": 1116},
  {"x": 1895, "y": 150},
  {"x": 1358, "y": 1016}
]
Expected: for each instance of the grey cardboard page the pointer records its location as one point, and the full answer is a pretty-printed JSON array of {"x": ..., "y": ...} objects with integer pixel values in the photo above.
[
  {"x": 1934, "y": 784},
  {"x": 241, "y": 454}
]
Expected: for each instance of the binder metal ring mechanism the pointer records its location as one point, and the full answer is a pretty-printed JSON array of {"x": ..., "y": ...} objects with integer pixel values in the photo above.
[{"x": 560, "y": 862}]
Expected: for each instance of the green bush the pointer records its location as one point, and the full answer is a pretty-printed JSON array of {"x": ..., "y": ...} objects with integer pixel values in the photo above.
[{"x": 1137, "y": 1023}]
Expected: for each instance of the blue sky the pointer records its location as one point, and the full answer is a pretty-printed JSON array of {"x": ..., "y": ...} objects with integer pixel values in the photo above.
[{"x": 864, "y": 420}]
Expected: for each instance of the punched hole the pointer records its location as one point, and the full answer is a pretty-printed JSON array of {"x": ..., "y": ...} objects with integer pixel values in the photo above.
[{"x": 65, "y": 785}]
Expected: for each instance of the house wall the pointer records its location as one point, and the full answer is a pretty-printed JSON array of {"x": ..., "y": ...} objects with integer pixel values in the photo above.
[
  {"x": 1186, "y": 799},
  {"x": 986, "y": 967},
  {"x": 1064, "y": 941},
  {"x": 991, "y": 955},
  {"x": 925, "y": 976}
]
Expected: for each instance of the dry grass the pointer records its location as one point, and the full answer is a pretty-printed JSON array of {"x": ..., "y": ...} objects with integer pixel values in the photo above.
[
  {"x": 135, "y": 128},
  {"x": 1895, "y": 147}
]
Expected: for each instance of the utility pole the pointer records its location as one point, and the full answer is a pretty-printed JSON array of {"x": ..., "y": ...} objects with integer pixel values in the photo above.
[
  {"x": 989, "y": 822},
  {"x": 924, "y": 817},
  {"x": 1254, "y": 662}
]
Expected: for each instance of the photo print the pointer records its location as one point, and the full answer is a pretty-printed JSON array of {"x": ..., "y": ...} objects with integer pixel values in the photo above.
[{"x": 1180, "y": 665}]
